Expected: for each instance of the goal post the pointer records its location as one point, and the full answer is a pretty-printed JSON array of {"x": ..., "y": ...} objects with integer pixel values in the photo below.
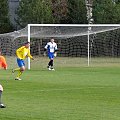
[
  {"x": 66, "y": 31},
  {"x": 57, "y": 25},
  {"x": 78, "y": 44},
  {"x": 29, "y": 46}
]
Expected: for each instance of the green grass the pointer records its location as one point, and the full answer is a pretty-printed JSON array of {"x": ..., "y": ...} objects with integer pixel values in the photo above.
[{"x": 69, "y": 93}]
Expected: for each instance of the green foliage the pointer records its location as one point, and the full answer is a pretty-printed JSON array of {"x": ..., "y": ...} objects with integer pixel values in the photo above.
[
  {"x": 71, "y": 11},
  {"x": 4, "y": 17},
  {"x": 77, "y": 11},
  {"x": 106, "y": 11},
  {"x": 59, "y": 11},
  {"x": 42, "y": 12},
  {"x": 34, "y": 11}
]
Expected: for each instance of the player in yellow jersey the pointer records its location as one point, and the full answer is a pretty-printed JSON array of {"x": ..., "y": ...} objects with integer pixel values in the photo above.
[{"x": 22, "y": 53}]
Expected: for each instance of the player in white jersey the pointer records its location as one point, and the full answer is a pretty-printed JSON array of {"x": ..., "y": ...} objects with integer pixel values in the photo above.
[{"x": 51, "y": 48}]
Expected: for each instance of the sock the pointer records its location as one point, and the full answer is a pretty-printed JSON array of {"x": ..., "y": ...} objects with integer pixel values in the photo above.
[
  {"x": 49, "y": 64},
  {"x": 0, "y": 96},
  {"x": 52, "y": 63},
  {"x": 19, "y": 73},
  {"x": 17, "y": 69}
]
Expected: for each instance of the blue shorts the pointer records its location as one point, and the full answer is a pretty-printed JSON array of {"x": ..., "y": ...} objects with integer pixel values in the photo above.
[
  {"x": 20, "y": 62},
  {"x": 51, "y": 55}
]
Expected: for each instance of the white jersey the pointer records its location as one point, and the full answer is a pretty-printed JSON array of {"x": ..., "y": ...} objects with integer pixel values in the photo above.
[{"x": 51, "y": 47}]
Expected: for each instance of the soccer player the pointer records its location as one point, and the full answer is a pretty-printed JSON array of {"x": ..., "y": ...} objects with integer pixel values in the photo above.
[
  {"x": 51, "y": 48},
  {"x": 3, "y": 63},
  {"x": 1, "y": 104},
  {"x": 22, "y": 53}
]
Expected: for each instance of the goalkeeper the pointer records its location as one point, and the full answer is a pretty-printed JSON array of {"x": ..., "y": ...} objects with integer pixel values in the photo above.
[
  {"x": 51, "y": 48},
  {"x": 22, "y": 53}
]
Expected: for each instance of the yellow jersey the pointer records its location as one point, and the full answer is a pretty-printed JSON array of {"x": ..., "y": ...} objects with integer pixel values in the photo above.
[{"x": 23, "y": 52}]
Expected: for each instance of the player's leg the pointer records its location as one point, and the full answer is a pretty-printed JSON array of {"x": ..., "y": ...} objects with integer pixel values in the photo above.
[
  {"x": 21, "y": 69},
  {"x": 16, "y": 69},
  {"x": 50, "y": 62},
  {"x": 1, "y": 104},
  {"x": 51, "y": 57},
  {"x": 19, "y": 62}
]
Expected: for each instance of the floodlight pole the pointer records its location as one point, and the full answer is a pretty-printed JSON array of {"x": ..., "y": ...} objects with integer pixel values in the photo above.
[
  {"x": 29, "y": 47},
  {"x": 90, "y": 21}
]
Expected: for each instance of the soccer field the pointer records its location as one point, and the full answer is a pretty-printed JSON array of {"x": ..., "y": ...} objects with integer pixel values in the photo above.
[{"x": 69, "y": 93}]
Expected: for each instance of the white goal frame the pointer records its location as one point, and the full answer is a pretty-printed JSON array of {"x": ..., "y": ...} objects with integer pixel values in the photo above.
[{"x": 74, "y": 25}]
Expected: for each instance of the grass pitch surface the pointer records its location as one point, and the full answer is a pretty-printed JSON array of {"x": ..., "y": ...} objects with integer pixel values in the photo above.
[{"x": 69, "y": 93}]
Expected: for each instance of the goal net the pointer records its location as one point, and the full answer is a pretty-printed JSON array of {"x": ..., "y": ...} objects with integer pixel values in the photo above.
[{"x": 78, "y": 44}]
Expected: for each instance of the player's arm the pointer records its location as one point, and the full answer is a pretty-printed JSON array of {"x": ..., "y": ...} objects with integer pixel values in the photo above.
[
  {"x": 4, "y": 63},
  {"x": 44, "y": 52},
  {"x": 18, "y": 52},
  {"x": 45, "y": 49},
  {"x": 56, "y": 49},
  {"x": 29, "y": 55}
]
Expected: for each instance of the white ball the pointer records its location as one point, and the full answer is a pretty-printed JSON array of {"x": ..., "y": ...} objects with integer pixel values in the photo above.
[{"x": 55, "y": 54}]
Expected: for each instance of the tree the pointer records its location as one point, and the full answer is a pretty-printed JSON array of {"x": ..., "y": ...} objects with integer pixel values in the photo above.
[
  {"x": 51, "y": 11},
  {"x": 5, "y": 25},
  {"x": 77, "y": 11},
  {"x": 60, "y": 10},
  {"x": 106, "y": 11},
  {"x": 34, "y": 11},
  {"x": 116, "y": 1}
]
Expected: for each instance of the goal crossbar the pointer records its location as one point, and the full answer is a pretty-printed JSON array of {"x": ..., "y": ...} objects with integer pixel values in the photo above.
[{"x": 89, "y": 26}]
